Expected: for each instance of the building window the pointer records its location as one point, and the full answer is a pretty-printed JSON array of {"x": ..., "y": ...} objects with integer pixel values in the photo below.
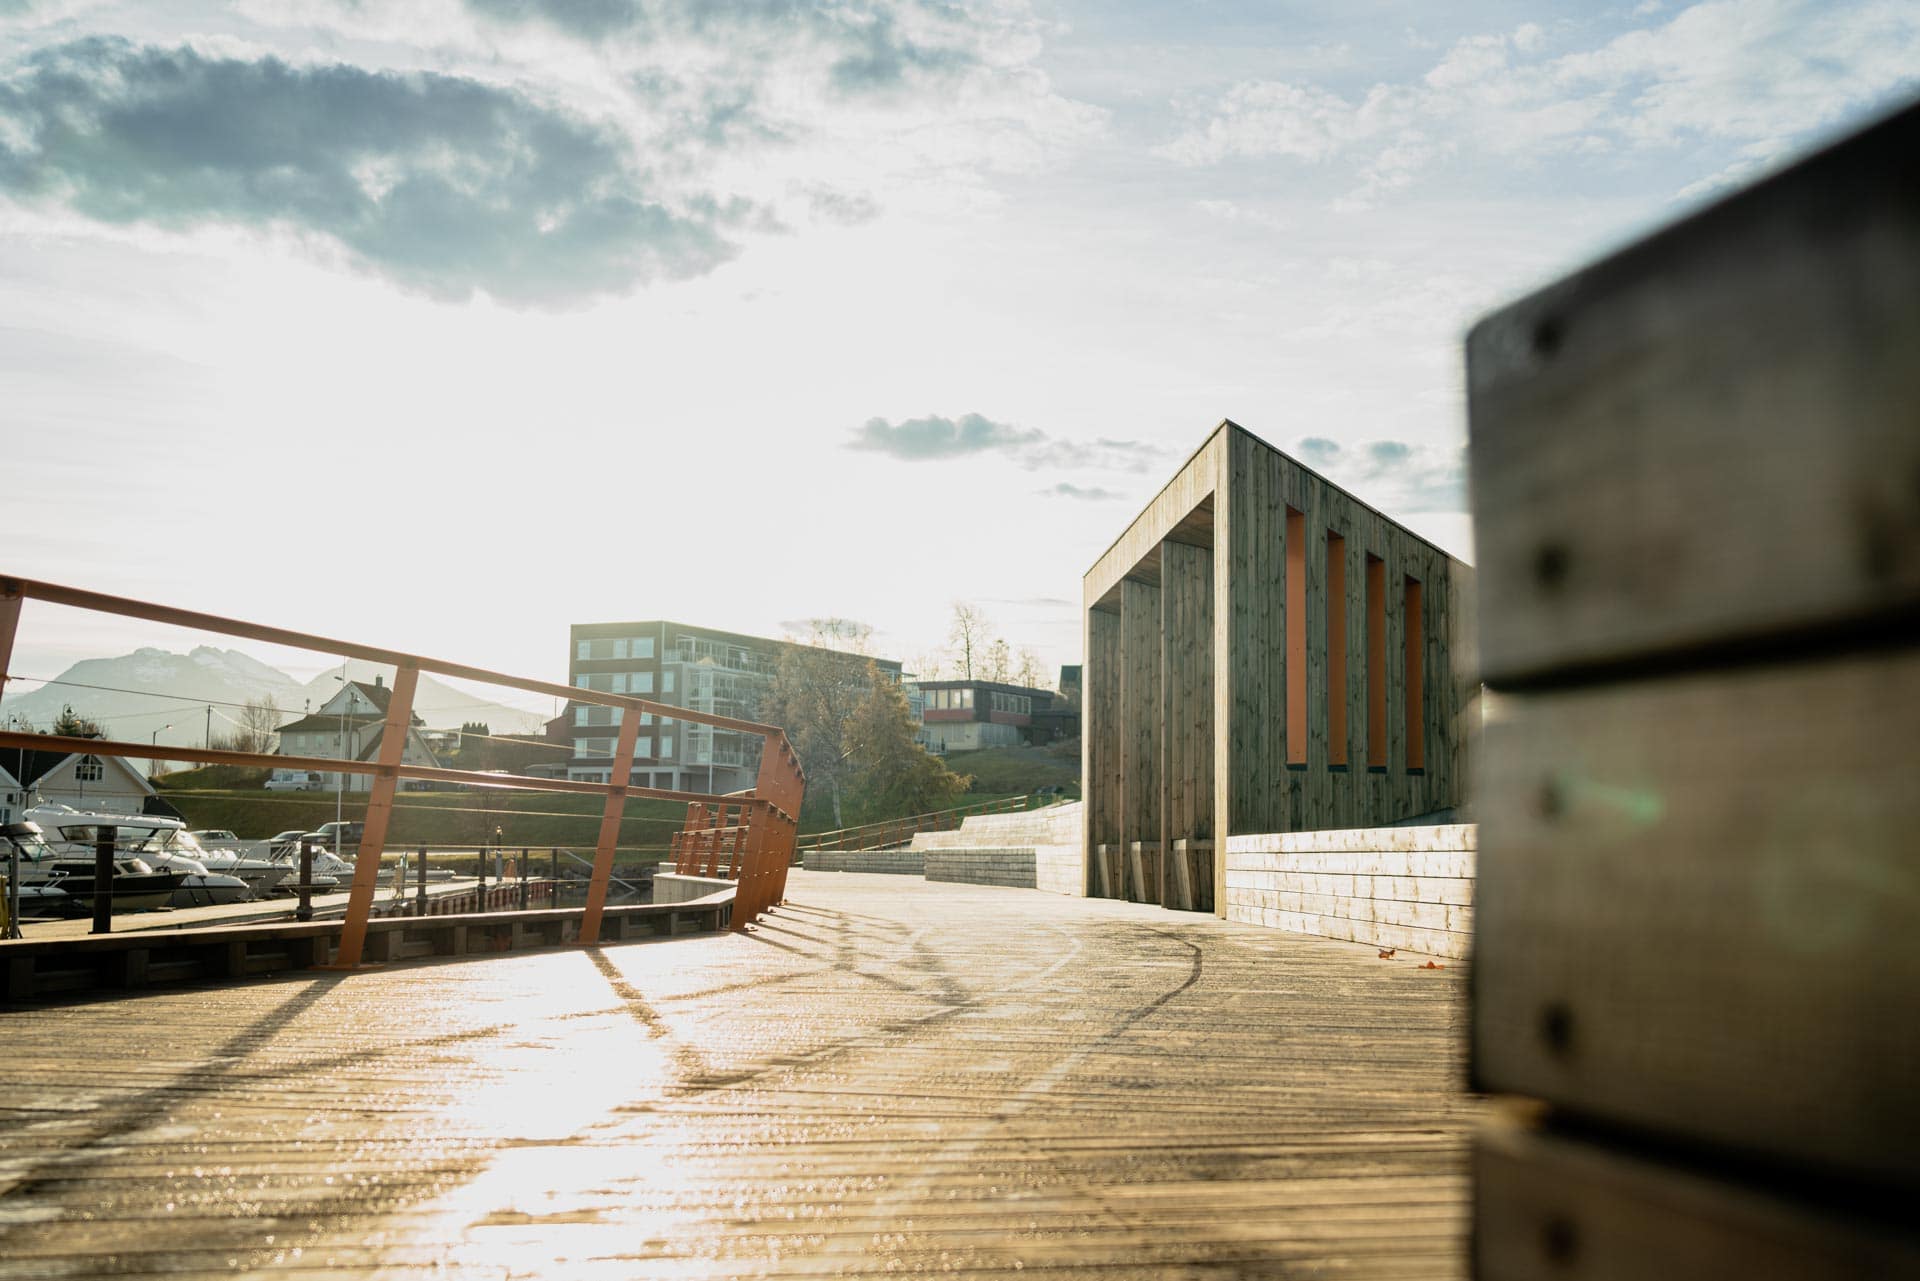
[
  {"x": 666, "y": 745},
  {"x": 620, "y": 647},
  {"x": 643, "y": 745},
  {"x": 966, "y": 698},
  {"x": 641, "y": 647},
  {"x": 1336, "y": 650},
  {"x": 640, "y": 683},
  {"x": 1414, "y": 625},
  {"x": 583, "y": 651},
  {"x": 1296, "y": 606},
  {"x": 599, "y": 716},
  {"x": 1376, "y": 662},
  {"x": 89, "y": 770},
  {"x": 580, "y": 714},
  {"x": 666, "y": 682}
]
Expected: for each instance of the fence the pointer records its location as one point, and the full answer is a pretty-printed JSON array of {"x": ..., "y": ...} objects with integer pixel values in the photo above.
[
  {"x": 898, "y": 831},
  {"x": 771, "y": 808}
]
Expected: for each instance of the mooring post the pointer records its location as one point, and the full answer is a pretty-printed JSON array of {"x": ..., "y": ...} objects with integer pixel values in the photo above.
[
  {"x": 420, "y": 897},
  {"x": 304, "y": 912},
  {"x": 103, "y": 880}
]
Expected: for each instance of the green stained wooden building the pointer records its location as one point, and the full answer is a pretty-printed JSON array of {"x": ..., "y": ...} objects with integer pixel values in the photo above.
[{"x": 1264, "y": 653}]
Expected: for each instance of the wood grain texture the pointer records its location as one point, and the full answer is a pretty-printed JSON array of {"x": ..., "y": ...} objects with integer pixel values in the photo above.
[
  {"x": 888, "y": 1078},
  {"x": 1697, "y": 905},
  {"x": 1186, "y": 603},
  {"x": 1546, "y": 1205},
  {"x": 1100, "y": 738},
  {"x": 1140, "y": 737},
  {"x": 1713, "y": 436}
]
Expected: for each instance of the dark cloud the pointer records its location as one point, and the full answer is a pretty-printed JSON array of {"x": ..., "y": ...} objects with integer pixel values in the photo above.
[
  {"x": 863, "y": 39},
  {"x": 591, "y": 20},
  {"x": 1315, "y": 450},
  {"x": 1392, "y": 474},
  {"x": 933, "y": 437},
  {"x": 1088, "y": 494},
  {"x": 881, "y": 59},
  {"x": 923, "y": 439},
  {"x": 442, "y": 184}
]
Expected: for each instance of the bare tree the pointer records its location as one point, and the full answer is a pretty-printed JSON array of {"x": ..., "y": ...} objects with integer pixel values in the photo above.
[
  {"x": 999, "y": 661},
  {"x": 1030, "y": 672},
  {"x": 968, "y": 636},
  {"x": 258, "y": 730}
]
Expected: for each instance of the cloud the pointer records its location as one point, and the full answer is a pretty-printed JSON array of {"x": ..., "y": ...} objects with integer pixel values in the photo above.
[
  {"x": 1088, "y": 494},
  {"x": 1755, "y": 75},
  {"x": 922, "y": 439},
  {"x": 1393, "y": 475},
  {"x": 444, "y": 185},
  {"x": 934, "y": 437},
  {"x": 870, "y": 45}
]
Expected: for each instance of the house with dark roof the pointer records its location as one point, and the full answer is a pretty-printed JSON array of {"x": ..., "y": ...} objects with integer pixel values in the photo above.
[
  {"x": 350, "y": 726},
  {"x": 79, "y": 779}
]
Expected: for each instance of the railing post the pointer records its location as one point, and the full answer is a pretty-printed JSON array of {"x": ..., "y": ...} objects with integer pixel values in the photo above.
[
  {"x": 366, "y": 864},
  {"x": 420, "y": 898},
  {"x": 103, "y": 843},
  {"x": 10, "y": 599},
  {"x": 304, "y": 890},
  {"x": 610, "y": 817}
]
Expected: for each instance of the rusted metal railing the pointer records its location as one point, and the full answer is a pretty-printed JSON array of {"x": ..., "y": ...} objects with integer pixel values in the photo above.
[{"x": 768, "y": 812}]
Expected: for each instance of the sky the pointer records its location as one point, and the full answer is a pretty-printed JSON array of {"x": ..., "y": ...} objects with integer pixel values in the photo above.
[{"x": 444, "y": 324}]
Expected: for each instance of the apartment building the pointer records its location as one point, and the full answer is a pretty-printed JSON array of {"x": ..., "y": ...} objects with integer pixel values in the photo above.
[{"x": 697, "y": 668}]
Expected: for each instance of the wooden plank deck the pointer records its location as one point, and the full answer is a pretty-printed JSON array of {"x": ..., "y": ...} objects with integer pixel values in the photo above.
[{"x": 888, "y": 1076}]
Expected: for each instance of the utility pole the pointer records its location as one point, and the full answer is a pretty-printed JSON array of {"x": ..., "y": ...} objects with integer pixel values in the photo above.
[{"x": 206, "y": 739}]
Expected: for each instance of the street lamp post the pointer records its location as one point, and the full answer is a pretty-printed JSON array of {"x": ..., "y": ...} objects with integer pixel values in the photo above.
[
  {"x": 340, "y": 776},
  {"x": 153, "y": 766}
]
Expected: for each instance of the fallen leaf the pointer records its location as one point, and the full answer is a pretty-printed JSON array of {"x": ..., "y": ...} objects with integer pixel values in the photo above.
[
  {"x": 1386, "y": 953},
  {"x": 1433, "y": 965}
]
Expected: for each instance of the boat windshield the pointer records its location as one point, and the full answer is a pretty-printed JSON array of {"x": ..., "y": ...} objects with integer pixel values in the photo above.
[{"x": 125, "y": 836}]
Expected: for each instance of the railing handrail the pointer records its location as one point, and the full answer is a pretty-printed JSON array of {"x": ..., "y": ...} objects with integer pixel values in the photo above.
[{"x": 774, "y": 802}]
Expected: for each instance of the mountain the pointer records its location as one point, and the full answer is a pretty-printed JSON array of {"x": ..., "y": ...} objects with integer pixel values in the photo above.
[
  {"x": 165, "y": 697},
  {"x": 439, "y": 704}
]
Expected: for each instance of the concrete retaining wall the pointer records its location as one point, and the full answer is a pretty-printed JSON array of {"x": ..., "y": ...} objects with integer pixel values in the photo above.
[
  {"x": 1048, "y": 839},
  {"x": 892, "y": 862},
  {"x": 670, "y": 887},
  {"x": 1011, "y": 867},
  {"x": 1399, "y": 887}
]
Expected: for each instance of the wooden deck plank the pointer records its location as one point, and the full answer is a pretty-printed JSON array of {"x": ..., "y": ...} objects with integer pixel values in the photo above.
[{"x": 889, "y": 1075}]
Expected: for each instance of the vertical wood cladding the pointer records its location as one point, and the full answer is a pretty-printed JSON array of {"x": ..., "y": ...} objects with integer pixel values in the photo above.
[
  {"x": 1100, "y": 750},
  {"x": 1186, "y": 690},
  {"x": 1288, "y": 630},
  {"x": 1140, "y": 719}
]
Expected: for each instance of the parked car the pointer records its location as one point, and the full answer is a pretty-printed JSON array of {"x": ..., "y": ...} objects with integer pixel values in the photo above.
[
  {"x": 295, "y": 780},
  {"x": 342, "y": 837}
]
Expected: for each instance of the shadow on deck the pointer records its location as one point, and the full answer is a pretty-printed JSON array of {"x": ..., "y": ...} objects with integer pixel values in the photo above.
[{"x": 886, "y": 1075}]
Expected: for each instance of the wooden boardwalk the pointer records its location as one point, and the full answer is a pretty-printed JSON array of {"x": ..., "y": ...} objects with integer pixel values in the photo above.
[{"x": 888, "y": 1076}]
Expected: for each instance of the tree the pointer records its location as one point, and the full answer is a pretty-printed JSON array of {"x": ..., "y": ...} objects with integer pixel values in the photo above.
[
  {"x": 968, "y": 636},
  {"x": 999, "y": 661},
  {"x": 895, "y": 774},
  {"x": 258, "y": 730},
  {"x": 1030, "y": 672},
  {"x": 69, "y": 724},
  {"x": 813, "y": 695}
]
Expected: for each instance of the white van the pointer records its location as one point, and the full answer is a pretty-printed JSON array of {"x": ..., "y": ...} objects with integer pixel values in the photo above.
[{"x": 295, "y": 780}]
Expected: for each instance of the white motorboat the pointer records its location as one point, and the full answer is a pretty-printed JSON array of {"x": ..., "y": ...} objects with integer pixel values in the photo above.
[
  {"x": 51, "y": 881},
  {"x": 155, "y": 841},
  {"x": 251, "y": 865}
]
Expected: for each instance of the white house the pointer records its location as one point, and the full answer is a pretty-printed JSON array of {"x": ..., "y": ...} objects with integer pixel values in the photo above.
[
  {"x": 81, "y": 780},
  {"x": 350, "y": 725}
]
